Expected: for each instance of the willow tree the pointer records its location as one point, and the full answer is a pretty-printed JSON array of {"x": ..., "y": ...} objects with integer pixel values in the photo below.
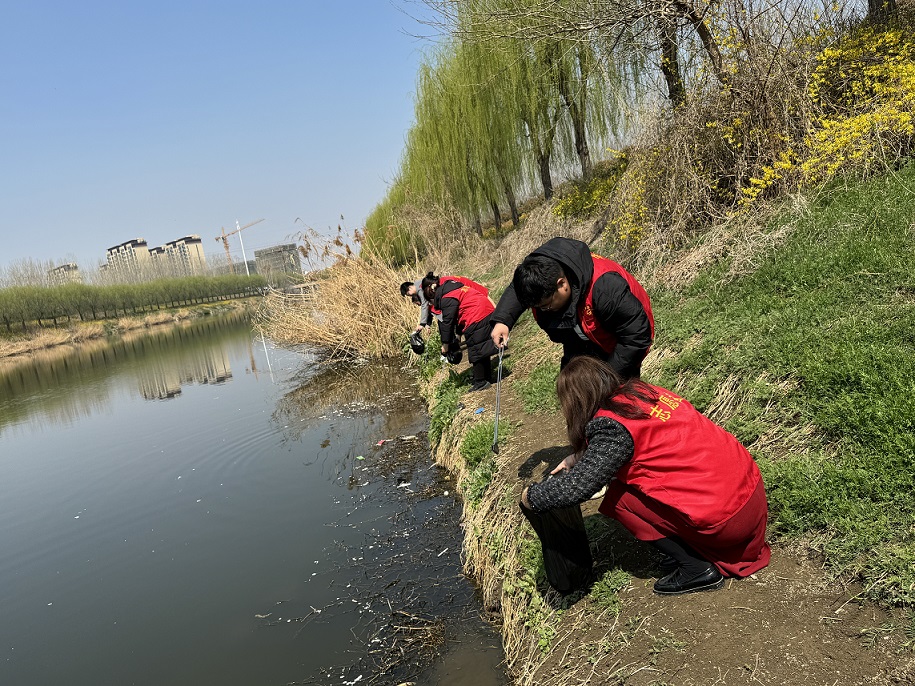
[
  {"x": 633, "y": 29},
  {"x": 496, "y": 126},
  {"x": 467, "y": 144},
  {"x": 528, "y": 79}
]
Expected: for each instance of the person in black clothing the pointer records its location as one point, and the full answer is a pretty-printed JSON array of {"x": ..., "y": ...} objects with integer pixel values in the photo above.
[
  {"x": 588, "y": 303},
  {"x": 465, "y": 311}
]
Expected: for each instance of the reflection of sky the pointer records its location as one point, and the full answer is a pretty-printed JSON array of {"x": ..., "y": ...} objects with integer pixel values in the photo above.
[{"x": 59, "y": 386}]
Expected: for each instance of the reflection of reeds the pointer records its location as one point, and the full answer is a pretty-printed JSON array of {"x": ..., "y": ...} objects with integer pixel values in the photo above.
[
  {"x": 342, "y": 386},
  {"x": 355, "y": 309}
]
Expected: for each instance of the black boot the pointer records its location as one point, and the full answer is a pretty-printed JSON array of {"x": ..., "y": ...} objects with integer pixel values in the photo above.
[
  {"x": 692, "y": 572},
  {"x": 480, "y": 373}
]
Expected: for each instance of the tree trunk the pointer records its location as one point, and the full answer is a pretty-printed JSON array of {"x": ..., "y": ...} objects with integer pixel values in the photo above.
[
  {"x": 705, "y": 35},
  {"x": 478, "y": 225},
  {"x": 577, "y": 113},
  {"x": 496, "y": 214},
  {"x": 543, "y": 162},
  {"x": 510, "y": 198},
  {"x": 881, "y": 10},
  {"x": 670, "y": 62}
]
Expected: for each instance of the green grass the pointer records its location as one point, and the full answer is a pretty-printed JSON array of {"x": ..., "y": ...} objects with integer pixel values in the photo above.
[
  {"x": 444, "y": 407},
  {"x": 833, "y": 313},
  {"x": 538, "y": 390},
  {"x": 476, "y": 449},
  {"x": 606, "y": 590},
  {"x": 477, "y": 443}
]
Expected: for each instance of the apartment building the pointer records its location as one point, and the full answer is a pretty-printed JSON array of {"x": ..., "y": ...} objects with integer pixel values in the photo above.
[
  {"x": 183, "y": 256},
  {"x": 129, "y": 261},
  {"x": 279, "y": 263},
  {"x": 64, "y": 274},
  {"x": 135, "y": 260}
]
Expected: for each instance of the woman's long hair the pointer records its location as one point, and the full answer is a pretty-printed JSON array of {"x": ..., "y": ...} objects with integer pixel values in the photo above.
[
  {"x": 586, "y": 385},
  {"x": 429, "y": 280}
]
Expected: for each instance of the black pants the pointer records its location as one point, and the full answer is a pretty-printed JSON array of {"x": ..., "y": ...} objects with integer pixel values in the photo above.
[
  {"x": 567, "y": 557},
  {"x": 480, "y": 349}
]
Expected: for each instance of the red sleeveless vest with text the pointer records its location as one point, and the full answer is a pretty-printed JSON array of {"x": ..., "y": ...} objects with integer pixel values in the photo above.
[
  {"x": 685, "y": 461},
  {"x": 460, "y": 279},
  {"x": 589, "y": 324},
  {"x": 473, "y": 305}
]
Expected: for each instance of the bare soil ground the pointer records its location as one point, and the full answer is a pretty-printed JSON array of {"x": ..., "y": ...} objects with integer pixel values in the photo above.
[{"x": 791, "y": 623}]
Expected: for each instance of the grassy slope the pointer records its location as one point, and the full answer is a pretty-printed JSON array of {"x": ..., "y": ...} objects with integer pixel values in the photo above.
[{"x": 830, "y": 316}]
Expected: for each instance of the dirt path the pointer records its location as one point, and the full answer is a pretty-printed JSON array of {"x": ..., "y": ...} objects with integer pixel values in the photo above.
[{"x": 791, "y": 623}]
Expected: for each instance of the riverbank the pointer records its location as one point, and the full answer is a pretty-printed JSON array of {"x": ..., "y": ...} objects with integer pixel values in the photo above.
[
  {"x": 78, "y": 332},
  {"x": 791, "y": 327},
  {"x": 794, "y": 334}
]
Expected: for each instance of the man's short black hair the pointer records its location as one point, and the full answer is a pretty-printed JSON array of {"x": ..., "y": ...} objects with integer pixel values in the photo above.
[
  {"x": 535, "y": 279},
  {"x": 404, "y": 287}
]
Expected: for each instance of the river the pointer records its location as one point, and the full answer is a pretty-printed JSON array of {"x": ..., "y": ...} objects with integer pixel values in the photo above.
[{"x": 193, "y": 505}]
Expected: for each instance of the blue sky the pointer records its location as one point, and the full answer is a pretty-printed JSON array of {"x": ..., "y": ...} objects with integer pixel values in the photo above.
[{"x": 159, "y": 119}]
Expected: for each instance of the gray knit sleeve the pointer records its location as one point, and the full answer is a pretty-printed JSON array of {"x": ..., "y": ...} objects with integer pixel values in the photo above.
[{"x": 610, "y": 446}]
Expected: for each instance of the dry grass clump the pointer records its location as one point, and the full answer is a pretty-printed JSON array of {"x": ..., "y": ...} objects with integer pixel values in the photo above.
[
  {"x": 128, "y": 324},
  {"x": 85, "y": 332},
  {"x": 355, "y": 309},
  {"x": 744, "y": 240},
  {"x": 158, "y": 318},
  {"x": 40, "y": 341},
  {"x": 44, "y": 340}
]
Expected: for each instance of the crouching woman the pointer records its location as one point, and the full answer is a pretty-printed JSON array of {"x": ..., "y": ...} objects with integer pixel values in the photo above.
[
  {"x": 674, "y": 479},
  {"x": 465, "y": 308}
]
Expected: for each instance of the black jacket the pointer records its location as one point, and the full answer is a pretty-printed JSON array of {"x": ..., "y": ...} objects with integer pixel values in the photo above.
[
  {"x": 479, "y": 343},
  {"x": 615, "y": 307}
]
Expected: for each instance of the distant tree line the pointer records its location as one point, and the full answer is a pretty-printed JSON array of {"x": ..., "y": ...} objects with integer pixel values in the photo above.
[{"x": 21, "y": 306}]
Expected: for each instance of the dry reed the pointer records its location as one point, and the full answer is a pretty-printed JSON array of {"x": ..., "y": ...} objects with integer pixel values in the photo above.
[
  {"x": 40, "y": 341},
  {"x": 354, "y": 309}
]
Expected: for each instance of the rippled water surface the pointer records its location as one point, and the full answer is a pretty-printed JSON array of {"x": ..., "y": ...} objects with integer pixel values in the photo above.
[{"x": 195, "y": 506}]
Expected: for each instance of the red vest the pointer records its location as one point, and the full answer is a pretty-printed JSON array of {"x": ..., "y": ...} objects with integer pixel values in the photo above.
[
  {"x": 685, "y": 461},
  {"x": 467, "y": 282},
  {"x": 473, "y": 304},
  {"x": 589, "y": 325},
  {"x": 460, "y": 279}
]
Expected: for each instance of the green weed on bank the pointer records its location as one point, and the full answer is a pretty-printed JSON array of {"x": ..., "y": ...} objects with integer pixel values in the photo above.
[
  {"x": 538, "y": 390},
  {"x": 476, "y": 449},
  {"x": 821, "y": 335}
]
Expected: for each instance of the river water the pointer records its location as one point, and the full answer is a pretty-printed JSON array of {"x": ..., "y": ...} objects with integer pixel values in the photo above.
[{"x": 193, "y": 505}]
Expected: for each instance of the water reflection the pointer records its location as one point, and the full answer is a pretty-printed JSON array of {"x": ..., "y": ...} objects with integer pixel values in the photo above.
[
  {"x": 345, "y": 389},
  {"x": 64, "y": 384},
  {"x": 211, "y": 529}
]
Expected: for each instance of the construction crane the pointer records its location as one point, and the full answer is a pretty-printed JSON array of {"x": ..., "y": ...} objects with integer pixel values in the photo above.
[{"x": 225, "y": 243}]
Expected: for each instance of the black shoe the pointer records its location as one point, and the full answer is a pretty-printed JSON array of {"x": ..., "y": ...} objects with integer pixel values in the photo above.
[
  {"x": 678, "y": 583},
  {"x": 479, "y": 386}
]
